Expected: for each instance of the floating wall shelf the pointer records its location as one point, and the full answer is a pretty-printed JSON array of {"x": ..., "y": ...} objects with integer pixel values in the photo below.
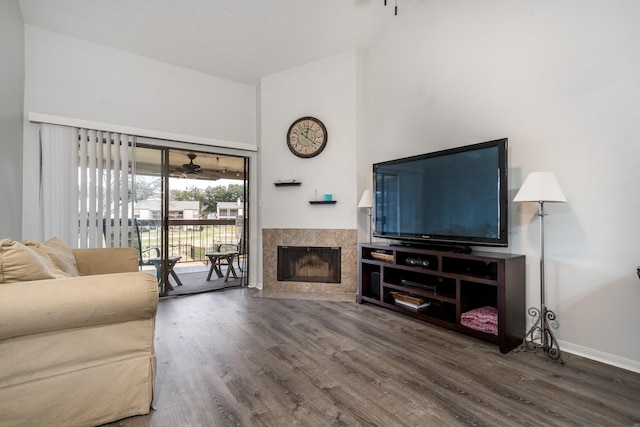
[
  {"x": 323, "y": 202},
  {"x": 287, "y": 183}
]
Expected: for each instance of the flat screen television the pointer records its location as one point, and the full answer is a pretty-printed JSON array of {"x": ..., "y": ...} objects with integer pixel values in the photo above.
[{"x": 456, "y": 196}]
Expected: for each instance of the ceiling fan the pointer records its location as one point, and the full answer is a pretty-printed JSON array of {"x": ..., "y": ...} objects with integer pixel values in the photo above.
[{"x": 191, "y": 170}]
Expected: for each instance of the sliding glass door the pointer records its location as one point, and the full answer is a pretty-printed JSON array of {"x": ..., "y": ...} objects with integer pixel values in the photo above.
[{"x": 192, "y": 207}]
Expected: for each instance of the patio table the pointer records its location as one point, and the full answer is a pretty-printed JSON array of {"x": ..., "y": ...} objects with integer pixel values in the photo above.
[{"x": 215, "y": 258}]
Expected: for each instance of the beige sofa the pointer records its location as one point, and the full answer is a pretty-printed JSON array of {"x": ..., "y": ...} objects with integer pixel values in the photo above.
[{"x": 77, "y": 351}]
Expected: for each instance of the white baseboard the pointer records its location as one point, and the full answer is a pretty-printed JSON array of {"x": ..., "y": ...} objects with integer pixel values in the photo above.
[{"x": 600, "y": 356}]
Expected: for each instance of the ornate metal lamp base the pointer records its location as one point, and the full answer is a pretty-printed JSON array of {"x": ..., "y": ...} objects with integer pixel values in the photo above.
[{"x": 540, "y": 334}]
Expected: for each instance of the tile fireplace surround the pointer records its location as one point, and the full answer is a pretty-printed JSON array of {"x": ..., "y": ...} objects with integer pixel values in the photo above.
[{"x": 343, "y": 238}]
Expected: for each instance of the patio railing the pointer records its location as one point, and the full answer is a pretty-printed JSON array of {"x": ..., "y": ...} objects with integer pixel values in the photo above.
[{"x": 190, "y": 239}]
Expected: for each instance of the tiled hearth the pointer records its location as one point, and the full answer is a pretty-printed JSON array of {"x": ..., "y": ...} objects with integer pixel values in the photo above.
[{"x": 342, "y": 238}]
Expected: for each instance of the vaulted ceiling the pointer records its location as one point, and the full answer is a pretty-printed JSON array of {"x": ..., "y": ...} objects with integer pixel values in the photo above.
[{"x": 239, "y": 40}]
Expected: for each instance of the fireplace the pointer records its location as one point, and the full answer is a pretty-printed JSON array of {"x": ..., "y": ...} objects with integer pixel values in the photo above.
[
  {"x": 344, "y": 239},
  {"x": 309, "y": 264}
]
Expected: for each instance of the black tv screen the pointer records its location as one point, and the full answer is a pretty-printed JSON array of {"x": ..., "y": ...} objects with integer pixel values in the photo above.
[{"x": 456, "y": 196}]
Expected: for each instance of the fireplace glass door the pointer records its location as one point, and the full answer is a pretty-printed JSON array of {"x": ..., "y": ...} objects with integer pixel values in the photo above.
[{"x": 309, "y": 264}]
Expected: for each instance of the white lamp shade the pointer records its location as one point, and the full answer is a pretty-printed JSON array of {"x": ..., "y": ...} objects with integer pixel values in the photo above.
[
  {"x": 540, "y": 187},
  {"x": 366, "y": 201}
]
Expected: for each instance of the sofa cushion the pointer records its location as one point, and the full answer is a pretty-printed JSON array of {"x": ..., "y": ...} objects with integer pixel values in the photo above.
[
  {"x": 92, "y": 261},
  {"x": 62, "y": 256},
  {"x": 19, "y": 263}
]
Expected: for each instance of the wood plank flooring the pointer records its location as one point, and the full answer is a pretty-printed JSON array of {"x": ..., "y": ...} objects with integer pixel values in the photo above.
[{"x": 230, "y": 359}]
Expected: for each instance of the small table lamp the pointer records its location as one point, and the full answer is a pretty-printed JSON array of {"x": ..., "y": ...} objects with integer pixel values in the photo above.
[
  {"x": 366, "y": 201},
  {"x": 541, "y": 187}
]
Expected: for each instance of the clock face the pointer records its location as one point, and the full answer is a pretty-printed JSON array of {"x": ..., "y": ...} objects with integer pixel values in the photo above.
[{"x": 307, "y": 137}]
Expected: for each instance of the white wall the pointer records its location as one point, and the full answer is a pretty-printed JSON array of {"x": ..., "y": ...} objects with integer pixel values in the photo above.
[
  {"x": 11, "y": 113},
  {"x": 74, "y": 78},
  {"x": 561, "y": 80},
  {"x": 327, "y": 90}
]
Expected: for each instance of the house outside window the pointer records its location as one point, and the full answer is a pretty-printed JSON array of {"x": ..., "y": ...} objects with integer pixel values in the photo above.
[
  {"x": 229, "y": 210},
  {"x": 151, "y": 209}
]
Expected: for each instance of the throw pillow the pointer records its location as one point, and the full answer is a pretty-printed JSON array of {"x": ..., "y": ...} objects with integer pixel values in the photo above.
[
  {"x": 19, "y": 263},
  {"x": 42, "y": 251},
  {"x": 62, "y": 256}
]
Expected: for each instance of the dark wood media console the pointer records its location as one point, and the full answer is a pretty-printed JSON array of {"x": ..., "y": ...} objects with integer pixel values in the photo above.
[{"x": 451, "y": 283}]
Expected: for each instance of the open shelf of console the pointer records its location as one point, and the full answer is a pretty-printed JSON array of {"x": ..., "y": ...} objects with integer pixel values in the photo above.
[{"x": 450, "y": 285}]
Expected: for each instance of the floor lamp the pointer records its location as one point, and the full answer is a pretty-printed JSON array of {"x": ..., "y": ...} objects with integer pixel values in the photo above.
[
  {"x": 541, "y": 187},
  {"x": 366, "y": 201}
]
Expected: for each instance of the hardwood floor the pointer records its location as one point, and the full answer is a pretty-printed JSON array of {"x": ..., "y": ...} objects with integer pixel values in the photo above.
[{"x": 231, "y": 359}]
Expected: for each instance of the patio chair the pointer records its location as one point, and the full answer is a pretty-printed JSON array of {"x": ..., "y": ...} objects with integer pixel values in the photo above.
[
  {"x": 153, "y": 256},
  {"x": 233, "y": 247}
]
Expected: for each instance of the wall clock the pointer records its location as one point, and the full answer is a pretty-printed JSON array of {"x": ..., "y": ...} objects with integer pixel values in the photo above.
[{"x": 307, "y": 137}]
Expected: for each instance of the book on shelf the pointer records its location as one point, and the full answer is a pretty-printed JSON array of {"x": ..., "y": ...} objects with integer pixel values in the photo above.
[
  {"x": 412, "y": 305},
  {"x": 407, "y": 297},
  {"x": 410, "y": 301}
]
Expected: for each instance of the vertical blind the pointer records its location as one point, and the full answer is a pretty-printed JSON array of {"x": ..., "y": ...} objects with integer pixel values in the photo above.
[{"x": 86, "y": 185}]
